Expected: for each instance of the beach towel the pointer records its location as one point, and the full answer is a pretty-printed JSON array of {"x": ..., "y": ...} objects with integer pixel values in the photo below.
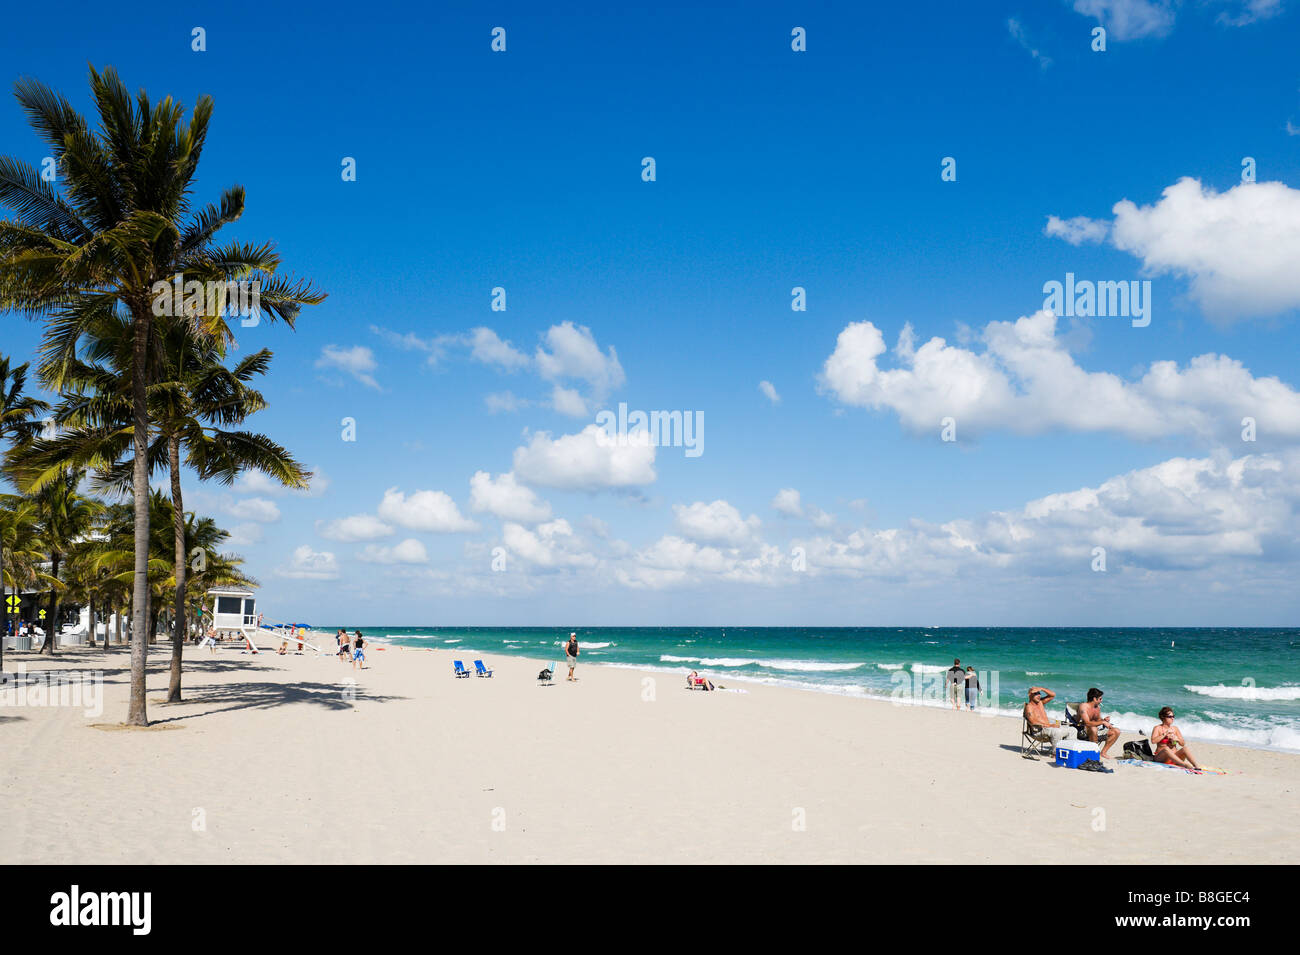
[{"x": 1203, "y": 771}]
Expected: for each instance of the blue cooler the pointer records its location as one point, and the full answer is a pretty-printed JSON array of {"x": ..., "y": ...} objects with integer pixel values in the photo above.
[{"x": 1071, "y": 752}]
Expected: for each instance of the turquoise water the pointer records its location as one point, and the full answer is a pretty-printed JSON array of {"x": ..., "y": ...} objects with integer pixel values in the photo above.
[{"x": 1238, "y": 686}]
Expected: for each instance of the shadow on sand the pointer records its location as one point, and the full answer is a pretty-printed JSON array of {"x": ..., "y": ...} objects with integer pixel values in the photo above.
[{"x": 228, "y": 697}]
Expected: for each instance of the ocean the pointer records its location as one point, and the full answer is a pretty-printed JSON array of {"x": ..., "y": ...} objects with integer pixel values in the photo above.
[{"x": 1228, "y": 685}]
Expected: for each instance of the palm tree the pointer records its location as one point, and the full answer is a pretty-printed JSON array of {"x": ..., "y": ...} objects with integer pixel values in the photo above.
[
  {"x": 193, "y": 402},
  {"x": 17, "y": 418},
  {"x": 64, "y": 518},
  {"x": 122, "y": 226},
  {"x": 17, "y": 533}
]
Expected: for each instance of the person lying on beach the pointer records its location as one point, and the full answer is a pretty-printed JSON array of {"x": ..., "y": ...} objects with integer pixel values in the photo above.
[
  {"x": 1036, "y": 715},
  {"x": 695, "y": 680},
  {"x": 1093, "y": 721},
  {"x": 1168, "y": 744}
]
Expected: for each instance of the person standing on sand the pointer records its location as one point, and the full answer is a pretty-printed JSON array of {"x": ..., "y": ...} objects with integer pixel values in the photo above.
[
  {"x": 345, "y": 651},
  {"x": 956, "y": 680},
  {"x": 972, "y": 688},
  {"x": 571, "y": 656},
  {"x": 358, "y": 652}
]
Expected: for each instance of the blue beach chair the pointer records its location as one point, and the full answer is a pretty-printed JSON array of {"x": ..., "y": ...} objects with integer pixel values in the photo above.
[
  {"x": 460, "y": 669},
  {"x": 480, "y": 669}
]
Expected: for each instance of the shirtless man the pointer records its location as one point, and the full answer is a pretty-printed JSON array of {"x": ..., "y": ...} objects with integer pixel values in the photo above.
[
  {"x": 1093, "y": 721},
  {"x": 1036, "y": 714}
]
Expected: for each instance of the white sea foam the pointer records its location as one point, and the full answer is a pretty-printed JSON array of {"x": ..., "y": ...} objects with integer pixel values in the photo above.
[
  {"x": 597, "y": 646},
  {"x": 1258, "y": 734},
  {"x": 890, "y": 666},
  {"x": 451, "y": 641},
  {"x": 927, "y": 668},
  {"x": 806, "y": 666},
  {"x": 1247, "y": 692}
]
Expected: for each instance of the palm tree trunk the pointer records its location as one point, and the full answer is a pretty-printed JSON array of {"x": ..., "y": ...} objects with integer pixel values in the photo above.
[
  {"x": 93, "y": 635},
  {"x": 178, "y": 526},
  {"x": 142, "y": 325},
  {"x": 52, "y": 621}
]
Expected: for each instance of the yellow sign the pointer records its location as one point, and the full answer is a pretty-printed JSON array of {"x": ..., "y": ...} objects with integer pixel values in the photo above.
[{"x": 14, "y": 601}]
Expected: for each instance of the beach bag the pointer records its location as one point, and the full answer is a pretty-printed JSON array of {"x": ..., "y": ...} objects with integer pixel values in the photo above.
[{"x": 1139, "y": 749}]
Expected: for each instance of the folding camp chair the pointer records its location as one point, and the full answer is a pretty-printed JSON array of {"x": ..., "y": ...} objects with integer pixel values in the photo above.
[
  {"x": 480, "y": 669},
  {"x": 1076, "y": 723},
  {"x": 1035, "y": 740},
  {"x": 460, "y": 669}
]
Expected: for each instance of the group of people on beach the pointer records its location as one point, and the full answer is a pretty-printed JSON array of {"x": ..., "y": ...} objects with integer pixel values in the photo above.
[
  {"x": 352, "y": 649},
  {"x": 963, "y": 683},
  {"x": 1166, "y": 739}
]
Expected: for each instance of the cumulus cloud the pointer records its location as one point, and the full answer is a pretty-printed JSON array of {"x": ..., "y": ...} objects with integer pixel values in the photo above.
[
  {"x": 1027, "y": 382},
  {"x": 716, "y": 523},
  {"x": 1181, "y": 514},
  {"x": 359, "y": 527},
  {"x": 674, "y": 561},
  {"x": 308, "y": 564},
  {"x": 506, "y": 498},
  {"x": 570, "y": 352},
  {"x": 588, "y": 460},
  {"x": 787, "y": 502},
  {"x": 1078, "y": 230},
  {"x": 357, "y": 361},
  {"x": 552, "y": 544},
  {"x": 409, "y": 551},
  {"x": 432, "y": 511},
  {"x": 488, "y": 347},
  {"x": 1237, "y": 249},
  {"x": 769, "y": 392},
  {"x": 568, "y": 401},
  {"x": 257, "y": 509}
]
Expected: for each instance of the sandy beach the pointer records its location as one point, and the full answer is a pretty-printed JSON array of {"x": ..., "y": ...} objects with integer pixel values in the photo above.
[{"x": 269, "y": 761}]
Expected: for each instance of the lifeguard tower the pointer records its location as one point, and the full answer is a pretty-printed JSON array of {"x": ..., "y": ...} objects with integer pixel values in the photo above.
[{"x": 234, "y": 614}]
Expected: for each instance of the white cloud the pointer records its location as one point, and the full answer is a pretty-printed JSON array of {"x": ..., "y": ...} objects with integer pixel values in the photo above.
[
  {"x": 1181, "y": 514},
  {"x": 1238, "y": 248},
  {"x": 1025, "y": 381},
  {"x": 588, "y": 460},
  {"x": 574, "y": 354},
  {"x": 1018, "y": 33},
  {"x": 506, "y": 498},
  {"x": 504, "y": 401},
  {"x": 257, "y": 509},
  {"x": 1130, "y": 19},
  {"x": 548, "y": 545},
  {"x": 488, "y": 347},
  {"x": 673, "y": 561},
  {"x": 357, "y": 361},
  {"x": 359, "y": 527},
  {"x": 715, "y": 523},
  {"x": 308, "y": 564},
  {"x": 244, "y": 535},
  {"x": 787, "y": 502},
  {"x": 409, "y": 551},
  {"x": 1245, "y": 12},
  {"x": 1077, "y": 230},
  {"x": 432, "y": 511},
  {"x": 258, "y": 484},
  {"x": 769, "y": 390},
  {"x": 568, "y": 401}
]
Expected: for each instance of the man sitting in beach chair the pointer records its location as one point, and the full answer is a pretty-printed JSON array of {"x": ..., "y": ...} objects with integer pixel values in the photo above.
[
  {"x": 460, "y": 669},
  {"x": 1091, "y": 724},
  {"x": 696, "y": 682},
  {"x": 1039, "y": 733},
  {"x": 480, "y": 669}
]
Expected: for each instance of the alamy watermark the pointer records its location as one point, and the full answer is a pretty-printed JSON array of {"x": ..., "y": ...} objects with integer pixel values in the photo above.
[
  {"x": 1085, "y": 299},
  {"x": 177, "y": 298},
  {"x": 659, "y": 429},
  {"x": 66, "y": 688}
]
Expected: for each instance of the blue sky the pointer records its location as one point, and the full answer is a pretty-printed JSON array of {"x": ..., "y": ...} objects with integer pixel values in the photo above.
[{"x": 775, "y": 169}]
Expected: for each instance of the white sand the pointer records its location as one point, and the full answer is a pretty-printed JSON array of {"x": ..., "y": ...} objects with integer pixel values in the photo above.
[{"x": 267, "y": 762}]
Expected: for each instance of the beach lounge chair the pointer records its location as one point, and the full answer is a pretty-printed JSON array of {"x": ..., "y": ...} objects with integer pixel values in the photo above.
[
  {"x": 1034, "y": 740},
  {"x": 460, "y": 669},
  {"x": 480, "y": 669}
]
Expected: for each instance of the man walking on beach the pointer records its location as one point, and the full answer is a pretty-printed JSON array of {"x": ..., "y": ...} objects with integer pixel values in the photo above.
[
  {"x": 571, "y": 656},
  {"x": 1093, "y": 721},
  {"x": 956, "y": 683}
]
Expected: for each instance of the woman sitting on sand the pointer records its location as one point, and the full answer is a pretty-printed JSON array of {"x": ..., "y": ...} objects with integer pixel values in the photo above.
[
  {"x": 695, "y": 680},
  {"x": 1168, "y": 744}
]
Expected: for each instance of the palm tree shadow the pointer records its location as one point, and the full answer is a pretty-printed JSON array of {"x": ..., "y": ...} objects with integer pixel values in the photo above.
[{"x": 229, "y": 697}]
